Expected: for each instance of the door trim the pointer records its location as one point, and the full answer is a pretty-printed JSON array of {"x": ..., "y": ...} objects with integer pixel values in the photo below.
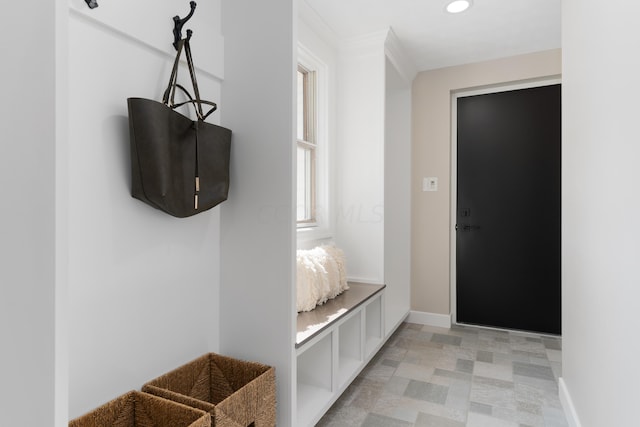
[{"x": 455, "y": 94}]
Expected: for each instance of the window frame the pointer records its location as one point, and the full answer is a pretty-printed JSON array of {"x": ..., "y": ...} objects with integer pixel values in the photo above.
[
  {"x": 322, "y": 226},
  {"x": 309, "y": 141}
]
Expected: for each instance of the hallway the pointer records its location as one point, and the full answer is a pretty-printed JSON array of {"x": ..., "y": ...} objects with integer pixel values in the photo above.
[{"x": 463, "y": 376}]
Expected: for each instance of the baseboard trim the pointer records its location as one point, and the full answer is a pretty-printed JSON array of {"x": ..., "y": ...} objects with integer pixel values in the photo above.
[
  {"x": 430, "y": 319},
  {"x": 567, "y": 404}
]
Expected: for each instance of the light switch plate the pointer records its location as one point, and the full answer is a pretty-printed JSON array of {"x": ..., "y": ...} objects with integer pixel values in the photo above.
[{"x": 430, "y": 183}]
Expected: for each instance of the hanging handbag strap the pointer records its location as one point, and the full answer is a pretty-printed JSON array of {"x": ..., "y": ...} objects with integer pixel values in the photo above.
[
  {"x": 169, "y": 95},
  {"x": 169, "y": 99}
]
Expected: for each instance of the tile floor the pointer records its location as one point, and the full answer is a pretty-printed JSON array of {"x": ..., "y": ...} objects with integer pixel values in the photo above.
[{"x": 463, "y": 376}]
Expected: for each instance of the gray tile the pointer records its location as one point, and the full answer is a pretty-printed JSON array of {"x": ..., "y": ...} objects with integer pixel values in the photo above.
[
  {"x": 493, "y": 396},
  {"x": 530, "y": 353},
  {"x": 547, "y": 386},
  {"x": 406, "y": 333},
  {"x": 378, "y": 372},
  {"x": 482, "y": 420},
  {"x": 460, "y": 352},
  {"x": 554, "y": 417},
  {"x": 427, "y": 391},
  {"x": 463, "y": 365},
  {"x": 507, "y": 414},
  {"x": 530, "y": 420},
  {"x": 469, "y": 341},
  {"x": 552, "y": 343},
  {"x": 367, "y": 395},
  {"x": 424, "y": 336},
  {"x": 480, "y": 408},
  {"x": 493, "y": 382},
  {"x": 554, "y": 355},
  {"x": 464, "y": 330},
  {"x": 535, "y": 371},
  {"x": 446, "y": 339},
  {"x": 484, "y": 356},
  {"x": 416, "y": 326},
  {"x": 539, "y": 360},
  {"x": 494, "y": 346},
  {"x": 397, "y": 385},
  {"x": 429, "y": 420},
  {"x": 405, "y": 414},
  {"x": 375, "y": 420},
  {"x": 414, "y": 371},
  {"x": 556, "y": 367},
  {"x": 451, "y": 374},
  {"x": 529, "y": 407},
  {"x": 395, "y": 406},
  {"x": 392, "y": 363},
  {"x": 404, "y": 343},
  {"x": 508, "y": 359},
  {"x": 347, "y": 416},
  {"x": 458, "y": 395},
  {"x": 424, "y": 376},
  {"x": 492, "y": 370},
  {"x": 436, "y": 329},
  {"x": 528, "y": 346}
]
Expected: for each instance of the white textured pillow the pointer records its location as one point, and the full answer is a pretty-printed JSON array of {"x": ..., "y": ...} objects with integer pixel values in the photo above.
[{"x": 321, "y": 275}]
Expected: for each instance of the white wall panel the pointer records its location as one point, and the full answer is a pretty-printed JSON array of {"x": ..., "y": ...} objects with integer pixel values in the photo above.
[
  {"x": 143, "y": 286},
  {"x": 360, "y": 158},
  {"x": 28, "y": 125},
  {"x": 151, "y": 22},
  {"x": 600, "y": 196},
  {"x": 397, "y": 196},
  {"x": 258, "y": 221}
]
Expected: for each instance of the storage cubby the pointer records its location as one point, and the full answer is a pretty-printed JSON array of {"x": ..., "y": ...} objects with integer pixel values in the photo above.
[
  {"x": 315, "y": 379},
  {"x": 349, "y": 348},
  {"x": 334, "y": 342}
]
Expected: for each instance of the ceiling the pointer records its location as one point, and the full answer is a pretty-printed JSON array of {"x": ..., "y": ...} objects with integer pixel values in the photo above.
[{"x": 433, "y": 38}]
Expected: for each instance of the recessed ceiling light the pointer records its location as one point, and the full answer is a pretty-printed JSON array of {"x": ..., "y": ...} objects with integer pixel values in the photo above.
[{"x": 458, "y": 6}]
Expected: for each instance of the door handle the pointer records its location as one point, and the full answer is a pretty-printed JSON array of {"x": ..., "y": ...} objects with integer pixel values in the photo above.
[{"x": 467, "y": 227}]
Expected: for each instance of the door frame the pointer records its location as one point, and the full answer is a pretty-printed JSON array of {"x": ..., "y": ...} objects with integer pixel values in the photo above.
[{"x": 460, "y": 93}]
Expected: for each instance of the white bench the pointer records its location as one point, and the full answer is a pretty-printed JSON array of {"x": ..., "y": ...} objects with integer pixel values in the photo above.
[{"x": 334, "y": 342}]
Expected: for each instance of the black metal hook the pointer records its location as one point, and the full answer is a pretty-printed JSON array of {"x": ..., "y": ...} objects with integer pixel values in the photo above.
[
  {"x": 91, "y": 3},
  {"x": 178, "y": 23}
]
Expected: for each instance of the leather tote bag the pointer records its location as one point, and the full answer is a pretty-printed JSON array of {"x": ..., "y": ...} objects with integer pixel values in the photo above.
[{"x": 178, "y": 165}]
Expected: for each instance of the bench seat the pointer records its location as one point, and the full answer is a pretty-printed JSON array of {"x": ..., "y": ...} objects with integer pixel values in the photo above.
[{"x": 312, "y": 323}]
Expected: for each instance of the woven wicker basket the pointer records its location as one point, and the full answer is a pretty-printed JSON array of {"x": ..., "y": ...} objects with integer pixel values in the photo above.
[
  {"x": 136, "y": 409},
  {"x": 234, "y": 392}
]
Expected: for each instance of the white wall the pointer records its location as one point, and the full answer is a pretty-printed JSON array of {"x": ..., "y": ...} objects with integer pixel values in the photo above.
[
  {"x": 397, "y": 196},
  {"x": 257, "y": 227},
  {"x": 143, "y": 286},
  {"x": 600, "y": 196},
  {"x": 28, "y": 125},
  {"x": 431, "y": 156},
  {"x": 360, "y": 157}
]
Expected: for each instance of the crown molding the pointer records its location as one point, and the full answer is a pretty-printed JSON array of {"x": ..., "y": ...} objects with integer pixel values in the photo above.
[{"x": 396, "y": 54}]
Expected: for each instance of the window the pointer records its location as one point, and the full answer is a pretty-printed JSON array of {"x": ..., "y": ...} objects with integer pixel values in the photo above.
[
  {"x": 306, "y": 148},
  {"x": 313, "y": 147}
]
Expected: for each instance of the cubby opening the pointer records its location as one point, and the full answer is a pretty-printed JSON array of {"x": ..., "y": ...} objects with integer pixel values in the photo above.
[
  {"x": 314, "y": 379},
  {"x": 349, "y": 348}
]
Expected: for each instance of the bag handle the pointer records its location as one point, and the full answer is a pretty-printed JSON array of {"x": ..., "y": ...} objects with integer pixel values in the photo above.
[
  {"x": 194, "y": 102},
  {"x": 169, "y": 95}
]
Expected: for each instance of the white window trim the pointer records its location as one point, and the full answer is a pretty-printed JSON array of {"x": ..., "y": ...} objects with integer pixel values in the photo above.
[{"x": 323, "y": 227}]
